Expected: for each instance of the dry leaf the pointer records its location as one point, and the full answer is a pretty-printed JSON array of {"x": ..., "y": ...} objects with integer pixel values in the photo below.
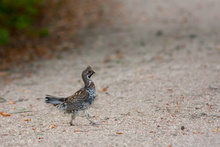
[
  {"x": 201, "y": 132},
  {"x": 184, "y": 19},
  {"x": 3, "y": 74},
  {"x": 169, "y": 121},
  {"x": 26, "y": 91},
  {"x": 52, "y": 126},
  {"x": 159, "y": 57},
  {"x": 10, "y": 103},
  {"x": 34, "y": 128},
  {"x": 139, "y": 69},
  {"x": 181, "y": 97},
  {"x": 77, "y": 131},
  {"x": 41, "y": 138},
  {"x": 215, "y": 130},
  {"x": 119, "y": 55},
  {"x": 218, "y": 47},
  {"x": 27, "y": 119},
  {"x": 5, "y": 114},
  {"x": 28, "y": 75},
  {"x": 170, "y": 146},
  {"x": 194, "y": 132},
  {"x": 119, "y": 133},
  {"x": 170, "y": 89},
  {"x": 104, "y": 89}
]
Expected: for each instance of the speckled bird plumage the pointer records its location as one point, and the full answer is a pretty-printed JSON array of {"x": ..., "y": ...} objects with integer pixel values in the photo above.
[{"x": 79, "y": 102}]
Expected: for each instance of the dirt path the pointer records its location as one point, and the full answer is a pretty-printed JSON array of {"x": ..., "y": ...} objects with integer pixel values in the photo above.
[{"x": 161, "y": 64}]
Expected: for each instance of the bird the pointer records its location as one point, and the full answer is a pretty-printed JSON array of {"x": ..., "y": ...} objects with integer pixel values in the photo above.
[{"x": 80, "y": 101}]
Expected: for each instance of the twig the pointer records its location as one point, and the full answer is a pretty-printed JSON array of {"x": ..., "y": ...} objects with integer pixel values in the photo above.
[{"x": 21, "y": 112}]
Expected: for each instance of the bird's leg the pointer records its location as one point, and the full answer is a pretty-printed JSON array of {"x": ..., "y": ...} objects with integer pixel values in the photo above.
[
  {"x": 73, "y": 116},
  {"x": 88, "y": 116}
]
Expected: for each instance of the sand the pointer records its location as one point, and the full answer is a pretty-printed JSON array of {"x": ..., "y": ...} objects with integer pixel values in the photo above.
[{"x": 157, "y": 79}]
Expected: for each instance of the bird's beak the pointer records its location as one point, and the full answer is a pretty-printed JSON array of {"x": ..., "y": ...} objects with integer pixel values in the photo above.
[{"x": 91, "y": 74}]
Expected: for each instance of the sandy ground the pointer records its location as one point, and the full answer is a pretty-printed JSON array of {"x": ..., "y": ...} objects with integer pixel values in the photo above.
[{"x": 161, "y": 64}]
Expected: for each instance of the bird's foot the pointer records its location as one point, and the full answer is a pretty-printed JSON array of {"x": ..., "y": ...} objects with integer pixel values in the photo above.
[
  {"x": 71, "y": 124},
  {"x": 91, "y": 116},
  {"x": 93, "y": 123}
]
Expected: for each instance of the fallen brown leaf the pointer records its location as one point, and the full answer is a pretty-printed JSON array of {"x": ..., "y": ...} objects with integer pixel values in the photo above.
[
  {"x": 26, "y": 91},
  {"x": 28, "y": 75},
  {"x": 139, "y": 69},
  {"x": 119, "y": 133},
  {"x": 5, "y": 114},
  {"x": 169, "y": 121},
  {"x": 215, "y": 130},
  {"x": 52, "y": 126},
  {"x": 3, "y": 74},
  {"x": 27, "y": 119},
  {"x": 119, "y": 55},
  {"x": 194, "y": 132},
  {"x": 10, "y": 103},
  {"x": 201, "y": 132},
  {"x": 34, "y": 128},
  {"x": 150, "y": 77},
  {"x": 218, "y": 47},
  {"x": 170, "y": 89},
  {"x": 181, "y": 97},
  {"x": 77, "y": 131},
  {"x": 159, "y": 57},
  {"x": 104, "y": 89}
]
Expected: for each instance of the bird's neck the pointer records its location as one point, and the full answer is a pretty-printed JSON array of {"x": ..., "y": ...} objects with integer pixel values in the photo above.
[
  {"x": 90, "y": 84},
  {"x": 87, "y": 82}
]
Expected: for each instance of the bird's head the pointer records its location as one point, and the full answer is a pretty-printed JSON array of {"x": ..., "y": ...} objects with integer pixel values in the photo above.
[{"x": 87, "y": 73}]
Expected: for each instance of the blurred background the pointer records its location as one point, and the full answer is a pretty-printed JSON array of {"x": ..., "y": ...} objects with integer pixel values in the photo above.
[
  {"x": 36, "y": 29},
  {"x": 157, "y": 65},
  {"x": 33, "y": 29}
]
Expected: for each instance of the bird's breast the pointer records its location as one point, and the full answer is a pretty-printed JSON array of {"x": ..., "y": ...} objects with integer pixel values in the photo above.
[{"x": 92, "y": 95}]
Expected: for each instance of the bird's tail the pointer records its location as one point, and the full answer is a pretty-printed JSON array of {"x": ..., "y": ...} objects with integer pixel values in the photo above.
[{"x": 53, "y": 100}]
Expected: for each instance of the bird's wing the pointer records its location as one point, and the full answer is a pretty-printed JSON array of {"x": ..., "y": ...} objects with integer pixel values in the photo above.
[{"x": 79, "y": 97}]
